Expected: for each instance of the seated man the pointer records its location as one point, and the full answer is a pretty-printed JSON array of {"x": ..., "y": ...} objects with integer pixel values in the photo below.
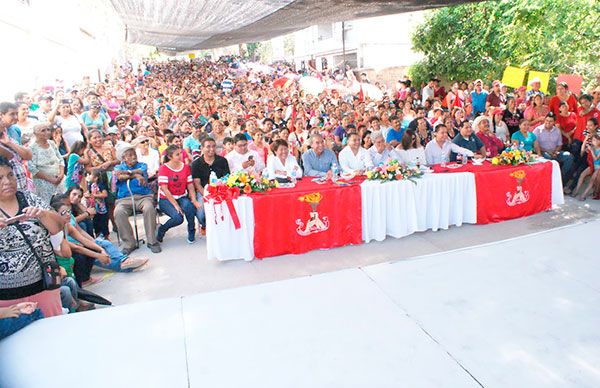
[
  {"x": 467, "y": 139},
  {"x": 136, "y": 173},
  {"x": 549, "y": 139},
  {"x": 318, "y": 160},
  {"x": 243, "y": 159},
  {"x": 379, "y": 151}
]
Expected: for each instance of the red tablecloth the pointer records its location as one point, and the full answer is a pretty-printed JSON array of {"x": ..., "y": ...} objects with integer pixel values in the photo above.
[
  {"x": 307, "y": 217},
  {"x": 507, "y": 192}
]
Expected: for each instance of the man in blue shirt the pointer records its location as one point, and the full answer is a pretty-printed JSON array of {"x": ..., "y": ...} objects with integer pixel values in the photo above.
[
  {"x": 467, "y": 139},
  {"x": 478, "y": 98},
  {"x": 318, "y": 160},
  {"x": 132, "y": 181},
  {"x": 394, "y": 135}
]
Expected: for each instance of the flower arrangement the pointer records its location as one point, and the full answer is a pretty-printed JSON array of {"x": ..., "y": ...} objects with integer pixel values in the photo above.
[
  {"x": 393, "y": 171},
  {"x": 513, "y": 158},
  {"x": 249, "y": 183}
]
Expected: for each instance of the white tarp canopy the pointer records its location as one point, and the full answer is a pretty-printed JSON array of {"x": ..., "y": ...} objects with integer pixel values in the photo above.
[{"x": 201, "y": 24}]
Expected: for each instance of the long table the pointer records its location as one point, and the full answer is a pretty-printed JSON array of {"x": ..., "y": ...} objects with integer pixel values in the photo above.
[{"x": 317, "y": 216}]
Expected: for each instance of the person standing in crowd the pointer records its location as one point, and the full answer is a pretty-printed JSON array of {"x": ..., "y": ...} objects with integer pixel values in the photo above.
[
  {"x": 72, "y": 126},
  {"x": 22, "y": 131},
  {"x": 563, "y": 95},
  {"x": 46, "y": 165},
  {"x": 511, "y": 115},
  {"x": 536, "y": 85},
  {"x": 478, "y": 99}
]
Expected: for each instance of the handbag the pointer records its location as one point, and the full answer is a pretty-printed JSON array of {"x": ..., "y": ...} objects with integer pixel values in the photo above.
[{"x": 51, "y": 278}]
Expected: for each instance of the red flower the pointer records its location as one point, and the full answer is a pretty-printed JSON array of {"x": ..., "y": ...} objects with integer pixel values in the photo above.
[
  {"x": 247, "y": 189},
  {"x": 399, "y": 177}
]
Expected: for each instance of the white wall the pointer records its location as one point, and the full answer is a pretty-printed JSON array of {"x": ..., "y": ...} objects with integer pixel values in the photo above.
[{"x": 44, "y": 41}]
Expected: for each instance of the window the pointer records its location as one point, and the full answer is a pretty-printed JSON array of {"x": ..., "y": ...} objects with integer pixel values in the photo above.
[{"x": 325, "y": 31}]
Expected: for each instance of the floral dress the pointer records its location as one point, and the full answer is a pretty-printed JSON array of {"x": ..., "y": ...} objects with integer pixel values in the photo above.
[{"x": 50, "y": 162}]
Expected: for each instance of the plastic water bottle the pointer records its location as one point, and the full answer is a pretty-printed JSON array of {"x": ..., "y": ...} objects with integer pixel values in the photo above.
[
  {"x": 212, "y": 179},
  {"x": 521, "y": 146},
  {"x": 293, "y": 176},
  {"x": 465, "y": 159},
  {"x": 444, "y": 160},
  {"x": 335, "y": 172}
]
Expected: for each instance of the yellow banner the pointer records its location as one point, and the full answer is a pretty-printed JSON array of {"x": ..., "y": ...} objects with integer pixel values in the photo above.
[
  {"x": 513, "y": 76},
  {"x": 191, "y": 55}
]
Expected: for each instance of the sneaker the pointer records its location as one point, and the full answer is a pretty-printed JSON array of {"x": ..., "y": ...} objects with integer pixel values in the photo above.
[
  {"x": 191, "y": 237},
  {"x": 155, "y": 248},
  {"x": 203, "y": 231},
  {"x": 131, "y": 263},
  {"x": 160, "y": 235}
]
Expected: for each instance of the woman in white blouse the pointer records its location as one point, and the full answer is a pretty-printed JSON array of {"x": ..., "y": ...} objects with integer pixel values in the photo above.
[
  {"x": 282, "y": 164},
  {"x": 353, "y": 158},
  {"x": 410, "y": 150}
]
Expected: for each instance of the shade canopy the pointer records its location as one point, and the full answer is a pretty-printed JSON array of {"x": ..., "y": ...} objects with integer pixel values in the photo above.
[{"x": 202, "y": 24}]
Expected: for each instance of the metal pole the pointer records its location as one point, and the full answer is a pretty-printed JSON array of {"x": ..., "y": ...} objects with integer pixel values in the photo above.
[{"x": 344, "y": 44}]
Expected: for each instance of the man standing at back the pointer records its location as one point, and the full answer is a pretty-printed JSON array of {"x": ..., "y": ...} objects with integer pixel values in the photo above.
[
  {"x": 478, "y": 99},
  {"x": 394, "y": 135}
]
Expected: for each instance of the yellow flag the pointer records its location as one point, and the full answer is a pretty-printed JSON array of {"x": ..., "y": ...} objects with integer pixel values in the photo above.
[
  {"x": 543, "y": 77},
  {"x": 513, "y": 76},
  {"x": 191, "y": 55}
]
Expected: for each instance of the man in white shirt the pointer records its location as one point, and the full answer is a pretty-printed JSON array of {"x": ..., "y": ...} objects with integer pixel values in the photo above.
[
  {"x": 379, "y": 152},
  {"x": 243, "y": 159},
  {"x": 428, "y": 91},
  {"x": 439, "y": 149},
  {"x": 353, "y": 158}
]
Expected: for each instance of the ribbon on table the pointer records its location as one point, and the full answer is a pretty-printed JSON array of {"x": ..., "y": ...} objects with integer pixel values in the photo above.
[{"x": 218, "y": 194}]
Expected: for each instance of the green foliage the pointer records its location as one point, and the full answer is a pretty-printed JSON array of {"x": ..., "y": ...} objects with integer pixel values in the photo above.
[{"x": 478, "y": 40}]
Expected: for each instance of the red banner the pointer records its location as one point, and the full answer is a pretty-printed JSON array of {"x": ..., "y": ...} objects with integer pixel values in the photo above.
[
  {"x": 307, "y": 217},
  {"x": 505, "y": 193}
]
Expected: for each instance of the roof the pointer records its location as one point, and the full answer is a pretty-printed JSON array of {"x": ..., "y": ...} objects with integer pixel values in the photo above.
[{"x": 202, "y": 24}]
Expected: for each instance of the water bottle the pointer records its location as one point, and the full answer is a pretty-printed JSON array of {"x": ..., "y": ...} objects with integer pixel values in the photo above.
[
  {"x": 444, "y": 160},
  {"x": 335, "y": 172},
  {"x": 418, "y": 162},
  {"x": 465, "y": 159},
  {"x": 293, "y": 176},
  {"x": 212, "y": 179},
  {"x": 521, "y": 146}
]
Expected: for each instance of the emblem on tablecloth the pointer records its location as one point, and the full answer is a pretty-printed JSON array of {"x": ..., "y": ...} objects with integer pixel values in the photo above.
[
  {"x": 314, "y": 224},
  {"x": 519, "y": 197}
]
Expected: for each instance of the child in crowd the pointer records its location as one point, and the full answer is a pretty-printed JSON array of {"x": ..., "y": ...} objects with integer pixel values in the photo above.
[
  {"x": 98, "y": 190},
  {"x": 75, "y": 165},
  {"x": 227, "y": 146}
]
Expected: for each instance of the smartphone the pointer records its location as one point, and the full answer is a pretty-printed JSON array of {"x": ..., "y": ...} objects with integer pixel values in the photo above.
[
  {"x": 250, "y": 157},
  {"x": 66, "y": 101},
  {"x": 14, "y": 219}
]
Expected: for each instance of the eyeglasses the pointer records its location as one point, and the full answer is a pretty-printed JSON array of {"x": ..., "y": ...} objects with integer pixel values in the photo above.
[
  {"x": 67, "y": 211},
  {"x": 145, "y": 142}
]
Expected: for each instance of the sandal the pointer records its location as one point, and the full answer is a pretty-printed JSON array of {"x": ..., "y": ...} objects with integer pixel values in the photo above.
[
  {"x": 91, "y": 281},
  {"x": 131, "y": 263}
]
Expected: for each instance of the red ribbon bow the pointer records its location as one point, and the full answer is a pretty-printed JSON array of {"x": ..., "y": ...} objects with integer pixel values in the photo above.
[{"x": 221, "y": 193}]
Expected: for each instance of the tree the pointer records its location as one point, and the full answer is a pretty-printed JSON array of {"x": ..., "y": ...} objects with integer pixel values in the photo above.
[{"x": 478, "y": 40}]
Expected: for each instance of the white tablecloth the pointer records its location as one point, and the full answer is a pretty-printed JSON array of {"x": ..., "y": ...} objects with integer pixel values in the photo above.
[
  {"x": 397, "y": 209},
  {"x": 223, "y": 241},
  {"x": 436, "y": 201}
]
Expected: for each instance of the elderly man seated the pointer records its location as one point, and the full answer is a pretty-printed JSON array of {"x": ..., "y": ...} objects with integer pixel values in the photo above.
[
  {"x": 132, "y": 180},
  {"x": 318, "y": 160},
  {"x": 380, "y": 152}
]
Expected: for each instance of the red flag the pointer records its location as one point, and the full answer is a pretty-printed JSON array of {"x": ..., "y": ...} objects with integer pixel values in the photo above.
[
  {"x": 309, "y": 216},
  {"x": 361, "y": 94}
]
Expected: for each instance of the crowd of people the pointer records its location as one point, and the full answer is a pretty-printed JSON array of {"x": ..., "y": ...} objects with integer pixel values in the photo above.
[{"x": 76, "y": 163}]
